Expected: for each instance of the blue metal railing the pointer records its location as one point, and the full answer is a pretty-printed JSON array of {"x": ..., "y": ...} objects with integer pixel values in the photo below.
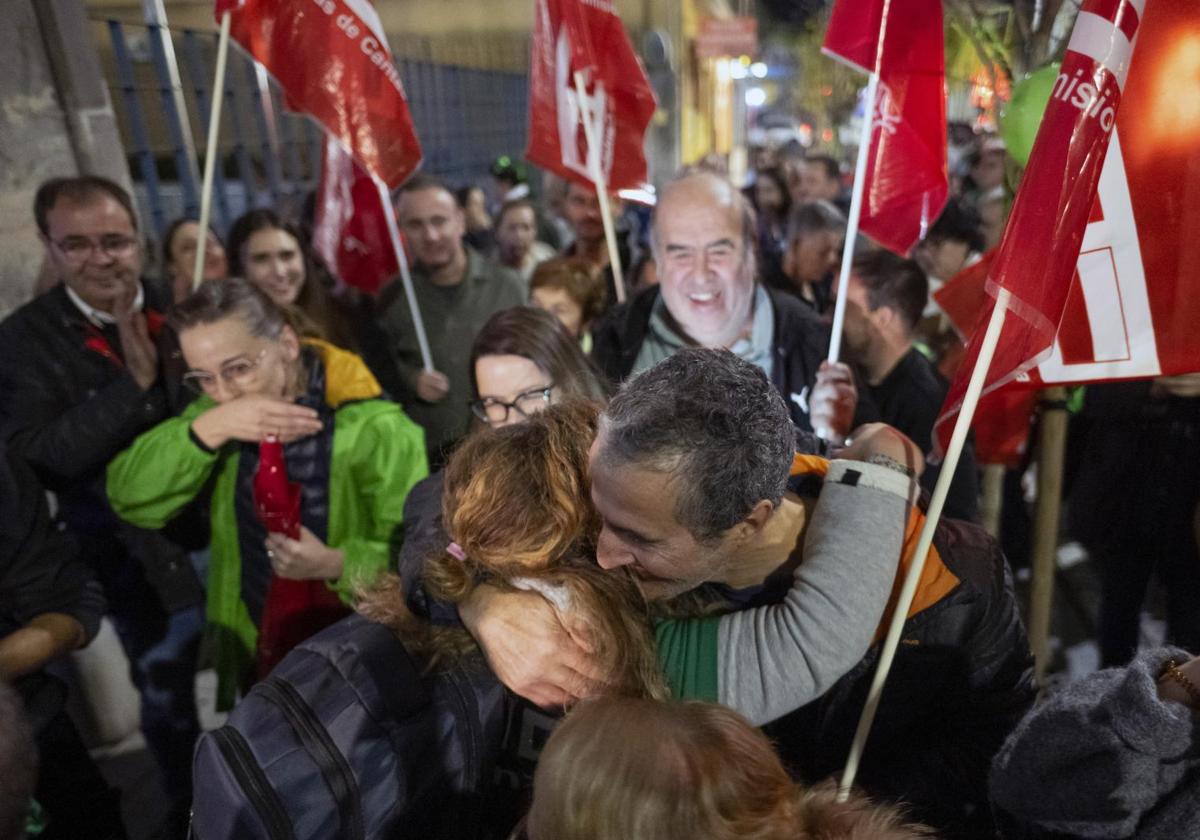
[{"x": 464, "y": 116}]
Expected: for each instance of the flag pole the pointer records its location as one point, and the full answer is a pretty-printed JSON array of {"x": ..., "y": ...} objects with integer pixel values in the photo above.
[
  {"x": 211, "y": 151},
  {"x": 856, "y": 200},
  {"x": 389, "y": 213},
  {"x": 856, "y": 191},
  {"x": 1052, "y": 438},
  {"x": 958, "y": 438},
  {"x": 598, "y": 181}
]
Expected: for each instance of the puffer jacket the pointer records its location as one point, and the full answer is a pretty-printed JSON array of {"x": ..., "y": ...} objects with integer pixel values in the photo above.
[
  {"x": 377, "y": 455},
  {"x": 961, "y": 680}
]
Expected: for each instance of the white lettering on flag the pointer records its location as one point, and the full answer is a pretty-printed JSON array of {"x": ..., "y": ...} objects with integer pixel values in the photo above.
[
  {"x": 1102, "y": 296},
  {"x": 1099, "y": 39},
  {"x": 1114, "y": 290}
]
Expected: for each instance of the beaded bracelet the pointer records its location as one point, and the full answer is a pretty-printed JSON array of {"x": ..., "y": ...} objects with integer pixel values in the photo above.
[{"x": 1171, "y": 670}]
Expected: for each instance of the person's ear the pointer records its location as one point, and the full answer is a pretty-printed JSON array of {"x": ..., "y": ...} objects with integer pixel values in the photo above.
[
  {"x": 884, "y": 317},
  {"x": 756, "y": 520},
  {"x": 290, "y": 342}
]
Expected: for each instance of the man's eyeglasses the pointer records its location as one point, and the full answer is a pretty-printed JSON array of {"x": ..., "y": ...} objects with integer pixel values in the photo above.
[
  {"x": 236, "y": 374},
  {"x": 492, "y": 411},
  {"x": 80, "y": 248}
]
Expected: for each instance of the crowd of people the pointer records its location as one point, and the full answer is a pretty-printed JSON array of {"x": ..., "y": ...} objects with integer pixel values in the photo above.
[{"x": 670, "y": 524}]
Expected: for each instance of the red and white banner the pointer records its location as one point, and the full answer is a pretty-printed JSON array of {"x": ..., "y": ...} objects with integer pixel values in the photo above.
[
  {"x": 350, "y": 229},
  {"x": 587, "y": 36},
  {"x": 1076, "y": 267},
  {"x": 906, "y": 185},
  {"x": 332, "y": 60}
]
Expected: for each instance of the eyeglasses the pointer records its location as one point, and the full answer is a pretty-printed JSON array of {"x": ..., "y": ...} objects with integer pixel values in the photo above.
[
  {"x": 493, "y": 411},
  {"x": 80, "y": 248},
  {"x": 237, "y": 374}
]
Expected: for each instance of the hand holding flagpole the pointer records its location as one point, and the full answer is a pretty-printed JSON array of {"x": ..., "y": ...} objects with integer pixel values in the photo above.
[
  {"x": 591, "y": 132},
  {"x": 212, "y": 151}
]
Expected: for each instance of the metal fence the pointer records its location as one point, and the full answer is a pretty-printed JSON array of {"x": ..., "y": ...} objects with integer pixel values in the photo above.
[{"x": 466, "y": 114}]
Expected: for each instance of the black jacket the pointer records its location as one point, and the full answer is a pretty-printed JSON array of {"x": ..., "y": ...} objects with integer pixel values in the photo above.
[
  {"x": 67, "y": 408},
  {"x": 40, "y": 569},
  {"x": 801, "y": 343},
  {"x": 961, "y": 680}
]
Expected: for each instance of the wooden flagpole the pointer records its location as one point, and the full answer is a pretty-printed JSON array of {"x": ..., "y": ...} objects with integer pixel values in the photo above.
[
  {"x": 1052, "y": 439},
  {"x": 962, "y": 425},
  {"x": 211, "y": 151},
  {"x": 590, "y": 132}
]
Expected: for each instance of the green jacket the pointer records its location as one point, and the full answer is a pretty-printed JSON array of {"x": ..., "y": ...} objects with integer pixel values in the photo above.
[{"x": 378, "y": 455}]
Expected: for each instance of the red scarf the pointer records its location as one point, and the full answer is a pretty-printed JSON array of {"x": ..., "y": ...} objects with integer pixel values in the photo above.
[{"x": 97, "y": 342}]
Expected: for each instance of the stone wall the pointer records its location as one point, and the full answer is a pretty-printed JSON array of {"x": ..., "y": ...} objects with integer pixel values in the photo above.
[{"x": 34, "y": 145}]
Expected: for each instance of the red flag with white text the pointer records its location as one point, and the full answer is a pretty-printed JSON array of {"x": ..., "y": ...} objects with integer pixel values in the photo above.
[
  {"x": 906, "y": 184},
  {"x": 1056, "y": 213},
  {"x": 350, "y": 231},
  {"x": 1133, "y": 304},
  {"x": 587, "y": 36},
  {"x": 332, "y": 60}
]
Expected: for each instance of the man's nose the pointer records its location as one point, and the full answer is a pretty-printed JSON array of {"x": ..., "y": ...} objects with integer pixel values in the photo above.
[
  {"x": 610, "y": 554},
  {"x": 100, "y": 256}
]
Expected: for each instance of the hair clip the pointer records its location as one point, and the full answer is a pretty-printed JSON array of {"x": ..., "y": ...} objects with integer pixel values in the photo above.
[{"x": 455, "y": 550}]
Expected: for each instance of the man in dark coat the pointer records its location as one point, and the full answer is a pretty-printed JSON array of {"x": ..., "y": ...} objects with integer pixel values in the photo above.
[
  {"x": 703, "y": 239},
  {"x": 81, "y": 375}
]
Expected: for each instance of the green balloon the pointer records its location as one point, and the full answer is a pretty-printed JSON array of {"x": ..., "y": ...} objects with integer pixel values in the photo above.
[{"x": 1021, "y": 116}]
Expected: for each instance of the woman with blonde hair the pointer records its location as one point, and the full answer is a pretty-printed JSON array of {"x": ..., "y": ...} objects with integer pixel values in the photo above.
[{"x": 621, "y": 768}]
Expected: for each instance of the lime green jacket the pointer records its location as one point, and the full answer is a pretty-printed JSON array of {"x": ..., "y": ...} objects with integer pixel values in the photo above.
[{"x": 378, "y": 455}]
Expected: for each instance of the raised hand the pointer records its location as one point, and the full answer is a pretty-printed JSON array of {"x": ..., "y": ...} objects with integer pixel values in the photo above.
[
  {"x": 252, "y": 418},
  {"x": 137, "y": 347},
  {"x": 432, "y": 386},
  {"x": 833, "y": 401}
]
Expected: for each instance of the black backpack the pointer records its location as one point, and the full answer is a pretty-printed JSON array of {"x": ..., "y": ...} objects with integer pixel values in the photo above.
[{"x": 350, "y": 738}]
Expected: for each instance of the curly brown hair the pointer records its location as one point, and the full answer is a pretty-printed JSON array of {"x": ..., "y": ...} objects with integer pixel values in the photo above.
[{"x": 516, "y": 500}]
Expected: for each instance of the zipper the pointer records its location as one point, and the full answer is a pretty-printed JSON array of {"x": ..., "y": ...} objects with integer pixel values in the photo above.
[
  {"x": 468, "y": 714},
  {"x": 324, "y": 752},
  {"x": 467, "y": 710},
  {"x": 253, "y": 781}
]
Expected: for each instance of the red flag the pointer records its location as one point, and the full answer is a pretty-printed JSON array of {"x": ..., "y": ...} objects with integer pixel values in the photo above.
[
  {"x": 1002, "y": 419},
  {"x": 350, "y": 231},
  {"x": 332, "y": 60},
  {"x": 905, "y": 184},
  {"x": 587, "y": 36},
  {"x": 1041, "y": 246}
]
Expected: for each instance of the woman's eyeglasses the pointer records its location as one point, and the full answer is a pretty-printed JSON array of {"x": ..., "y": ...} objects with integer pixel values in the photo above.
[
  {"x": 493, "y": 411},
  {"x": 236, "y": 374}
]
